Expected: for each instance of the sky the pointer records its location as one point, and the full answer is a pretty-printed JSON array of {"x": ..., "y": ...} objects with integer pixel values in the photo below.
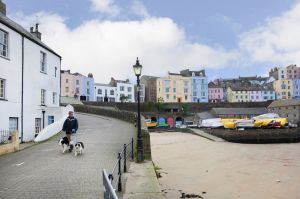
[{"x": 226, "y": 38}]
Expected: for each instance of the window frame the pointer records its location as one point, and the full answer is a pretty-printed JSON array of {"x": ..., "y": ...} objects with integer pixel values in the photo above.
[
  {"x": 43, "y": 63},
  {"x": 7, "y": 45},
  {"x": 43, "y": 97},
  {"x": 4, "y": 88}
]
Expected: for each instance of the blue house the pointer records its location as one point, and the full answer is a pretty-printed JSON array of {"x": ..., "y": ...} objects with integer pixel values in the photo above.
[
  {"x": 88, "y": 87},
  {"x": 296, "y": 89},
  {"x": 199, "y": 85}
]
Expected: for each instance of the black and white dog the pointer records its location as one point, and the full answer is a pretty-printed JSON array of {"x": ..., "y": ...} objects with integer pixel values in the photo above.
[
  {"x": 79, "y": 148},
  {"x": 64, "y": 142}
]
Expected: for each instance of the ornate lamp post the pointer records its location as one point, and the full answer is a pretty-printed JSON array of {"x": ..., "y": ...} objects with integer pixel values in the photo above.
[{"x": 140, "y": 153}]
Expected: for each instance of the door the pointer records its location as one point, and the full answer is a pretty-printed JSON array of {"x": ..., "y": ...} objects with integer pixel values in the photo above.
[
  {"x": 13, "y": 124},
  {"x": 38, "y": 126}
]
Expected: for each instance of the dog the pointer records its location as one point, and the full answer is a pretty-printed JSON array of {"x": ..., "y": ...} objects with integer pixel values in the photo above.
[
  {"x": 64, "y": 142},
  {"x": 78, "y": 148}
]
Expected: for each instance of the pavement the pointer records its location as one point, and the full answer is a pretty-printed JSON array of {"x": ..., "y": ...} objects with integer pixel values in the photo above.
[
  {"x": 141, "y": 182},
  {"x": 192, "y": 164},
  {"x": 42, "y": 171}
]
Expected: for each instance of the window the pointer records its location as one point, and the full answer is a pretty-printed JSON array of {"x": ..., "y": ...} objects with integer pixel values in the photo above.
[
  {"x": 186, "y": 90},
  {"x": 167, "y": 96},
  {"x": 50, "y": 119},
  {"x": 43, "y": 62},
  {"x": 167, "y": 83},
  {"x": 129, "y": 89},
  {"x": 43, "y": 96},
  {"x": 77, "y": 90},
  {"x": 167, "y": 90},
  {"x": 88, "y": 91},
  {"x": 99, "y": 99},
  {"x": 54, "y": 98},
  {"x": 99, "y": 91},
  {"x": 174, "y": 90},
  {"x": 174, "y": 97},
  {"x": 67, "y": 80},
  {"x": 67, "y": 89},
  {"x": 121, "y": 88},
  {"x": 236, "y": 97},
  {"x": 3, "y": 44},
  {"x": 13, "y": 124},
  {"x": 129, "y": 96},
  {"x": 186, "y": 83},
  {"x": 112, "y": 92},
  {"x": 185, "y": 97},
  {"x": 194, "y": 93},
  {"x": 38, "y": 125},
  {"x": 2, "y": 88},
  {"x": 88, "y": 83},
  {"x": 77, "y": 82}
]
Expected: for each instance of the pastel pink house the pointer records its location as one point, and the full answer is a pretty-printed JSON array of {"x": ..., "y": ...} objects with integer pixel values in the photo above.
[{"x": 215, "y": 93}]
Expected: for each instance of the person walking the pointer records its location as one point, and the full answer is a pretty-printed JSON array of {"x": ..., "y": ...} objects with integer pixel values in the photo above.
[{"x": 70, "y": 127}]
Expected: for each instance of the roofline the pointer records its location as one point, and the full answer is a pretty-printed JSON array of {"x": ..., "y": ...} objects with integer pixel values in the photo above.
[{"x": 49, "y": 49}]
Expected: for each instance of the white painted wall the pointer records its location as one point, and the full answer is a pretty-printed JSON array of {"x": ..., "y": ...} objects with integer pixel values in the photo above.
[
  {"x": 11, "y": 71},
  {"x": 34, "y": 81},
  {"x": 108, "y": 88},
  {"x": 125, "y": 92}
]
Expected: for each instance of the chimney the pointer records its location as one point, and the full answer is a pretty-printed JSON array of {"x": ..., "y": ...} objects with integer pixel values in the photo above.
[
  {"x": 2, "y": 8},
  {"x": 36, "y": 31}
]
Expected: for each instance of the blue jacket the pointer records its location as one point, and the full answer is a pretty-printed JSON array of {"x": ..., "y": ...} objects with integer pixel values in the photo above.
[{"x": 70, "y": 125}]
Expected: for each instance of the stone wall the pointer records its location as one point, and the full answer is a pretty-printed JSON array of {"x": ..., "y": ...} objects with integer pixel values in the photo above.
[
  {"x": 126, "y": 116},
  {"x": 191, "y": 107},
  {"x": 11, "y": 147},
  {"x": 257, "y": 135}
]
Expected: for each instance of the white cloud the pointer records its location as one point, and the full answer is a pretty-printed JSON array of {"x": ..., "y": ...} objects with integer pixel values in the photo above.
[
  {"x": 106, "y": 7},
  {"x": 139, "y": 9},
  {"x": 276, "y": 41},
  {"x": 109, "y": 48}
]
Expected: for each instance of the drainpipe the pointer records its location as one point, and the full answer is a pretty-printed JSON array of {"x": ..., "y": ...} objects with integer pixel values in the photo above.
[{"x": 22, "y": 92}]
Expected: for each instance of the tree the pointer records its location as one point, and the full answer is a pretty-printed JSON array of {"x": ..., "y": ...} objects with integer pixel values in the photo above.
[{"x": 123, "y": 98}]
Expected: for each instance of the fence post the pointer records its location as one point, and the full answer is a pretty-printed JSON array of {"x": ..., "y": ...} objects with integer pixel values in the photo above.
[
  {"x": 125, "y": 154},
  {"x": 120, "y": 173},
  {"x": 132, "y": 149}
]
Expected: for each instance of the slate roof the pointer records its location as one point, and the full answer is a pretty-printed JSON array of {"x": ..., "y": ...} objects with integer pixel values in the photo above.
[
  {"x": 287, "y": 102},
  {"x": 22, "y": 31},
  {"x": 239, "y": 111}
]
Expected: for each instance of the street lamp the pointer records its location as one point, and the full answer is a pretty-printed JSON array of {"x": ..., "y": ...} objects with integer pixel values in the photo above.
[{"x": 137, "y": 68}]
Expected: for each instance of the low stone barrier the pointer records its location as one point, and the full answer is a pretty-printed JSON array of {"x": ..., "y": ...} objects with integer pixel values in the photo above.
[
  {"x": 11, "y": 147},
  {"x": 289, "y": 135}
]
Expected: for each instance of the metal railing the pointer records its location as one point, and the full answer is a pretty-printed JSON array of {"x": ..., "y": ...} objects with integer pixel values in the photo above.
[
  {"x": 110, "y": 184},
  {"x": 5, "y": 136}
]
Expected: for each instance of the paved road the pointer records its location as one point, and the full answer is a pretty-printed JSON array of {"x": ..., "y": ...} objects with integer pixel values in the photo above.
[{"x": 42, "y": 171}]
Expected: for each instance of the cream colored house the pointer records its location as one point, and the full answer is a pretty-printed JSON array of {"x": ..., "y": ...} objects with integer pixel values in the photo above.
[
  {"x": 238, "y": 95},
  {"x": 283, "y": 88},
  {"x": 174, "y": 88}
]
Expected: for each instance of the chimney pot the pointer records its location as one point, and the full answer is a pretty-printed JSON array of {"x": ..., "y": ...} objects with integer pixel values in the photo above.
[{"x": 2, "y": 8}]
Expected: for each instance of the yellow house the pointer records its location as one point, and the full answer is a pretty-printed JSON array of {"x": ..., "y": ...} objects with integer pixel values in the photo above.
[
  {"x": 238, "y": 94},
  {"x": 283, "y": 88},
  {"x": 174, "y": 88}
]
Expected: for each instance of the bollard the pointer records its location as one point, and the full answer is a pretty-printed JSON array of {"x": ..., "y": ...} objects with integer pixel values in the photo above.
[
  {"x": 132, "y": 149},
  {"x": 119, "y": 173},
  {"x": 125, "y": 154}
]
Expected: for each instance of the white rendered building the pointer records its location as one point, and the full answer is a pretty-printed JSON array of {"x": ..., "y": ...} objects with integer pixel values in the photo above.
[
  {"x": 105, "y": 93},
  {"x": 29, "y": 80}
]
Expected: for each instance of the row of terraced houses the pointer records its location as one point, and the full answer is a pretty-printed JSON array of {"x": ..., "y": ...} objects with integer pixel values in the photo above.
[{"x": 188, "y": 86}]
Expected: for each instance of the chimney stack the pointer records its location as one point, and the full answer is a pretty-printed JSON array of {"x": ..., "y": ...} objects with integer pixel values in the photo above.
[
  {"x": 2, "y": 8},
  {"x": 36, "y": 31}
]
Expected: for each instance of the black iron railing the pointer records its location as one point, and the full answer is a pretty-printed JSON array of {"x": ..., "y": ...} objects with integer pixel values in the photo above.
[
  {"x": 5, "y": 136},
  {"x": 120, "y": 166}
]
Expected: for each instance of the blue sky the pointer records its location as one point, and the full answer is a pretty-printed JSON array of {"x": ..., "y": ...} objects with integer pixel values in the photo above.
[{"x": 225, "y": 27}]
